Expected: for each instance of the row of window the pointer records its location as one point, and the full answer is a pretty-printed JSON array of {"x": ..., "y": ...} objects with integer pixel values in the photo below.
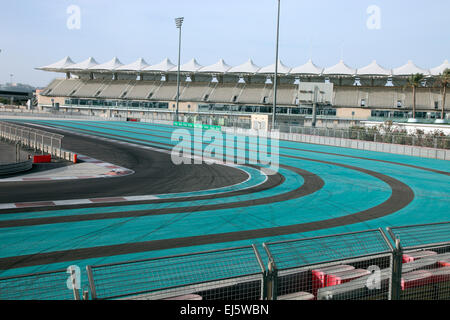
[
  {"x": 117, "y": 103},
  {"x": 265, "y": 109},
  {"x": 404, "y": 114},
  {"x": 400, "y": 104}
]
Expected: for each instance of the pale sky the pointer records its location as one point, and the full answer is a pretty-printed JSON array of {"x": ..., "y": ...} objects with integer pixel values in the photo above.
[{"x": 34, "y": 33}]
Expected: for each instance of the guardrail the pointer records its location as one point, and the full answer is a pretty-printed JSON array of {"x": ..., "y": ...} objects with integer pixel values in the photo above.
[
  {"x": 36, "y": 139},
  {"x": 11, "y": 168},
  {"x": 365, "y": 265}
]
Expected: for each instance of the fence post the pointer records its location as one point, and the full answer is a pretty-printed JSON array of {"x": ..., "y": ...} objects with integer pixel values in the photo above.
[
  {"x": 91, "y": 282},
  {"x": 397, "y": 271},
  {"x": 271, "y": 280}
]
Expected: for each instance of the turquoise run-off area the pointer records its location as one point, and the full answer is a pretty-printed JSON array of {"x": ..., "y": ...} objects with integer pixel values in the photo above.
[{"x": 345, "y": 192}]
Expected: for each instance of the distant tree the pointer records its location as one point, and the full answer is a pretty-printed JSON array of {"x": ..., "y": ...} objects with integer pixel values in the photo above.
[
  {"x": 414, "y": 82},
  {"x": 444, "y": 81}
]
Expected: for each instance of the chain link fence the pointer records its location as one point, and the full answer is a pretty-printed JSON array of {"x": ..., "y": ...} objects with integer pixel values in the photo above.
[
  {"x": 368, "y": 134},
  {"x": 412, "y": 263},
  {"x": 229, "y": 274},
  {"x": 345, "y": 266},
  {"x": 55, "y": 285},
  {"x": 423, "y": 261}
]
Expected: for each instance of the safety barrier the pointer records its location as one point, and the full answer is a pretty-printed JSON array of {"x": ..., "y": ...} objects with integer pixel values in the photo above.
[
  {"x": 38, "y": 140},
  {"x": 316, "y": 268},
  {"x": 423, "y": 261},
  {"x": 54, "y": 285},
  {"x": 365, "y": 265},
  {"x": 232, "y": 274},
  {"x": 12, "y": 168},
  {"x": 416, "y": 151}
]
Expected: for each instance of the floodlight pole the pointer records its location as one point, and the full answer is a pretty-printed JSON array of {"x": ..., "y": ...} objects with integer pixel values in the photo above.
[
  {"x": 275, "y": 84},
  {"x": 178, "y": 23}
]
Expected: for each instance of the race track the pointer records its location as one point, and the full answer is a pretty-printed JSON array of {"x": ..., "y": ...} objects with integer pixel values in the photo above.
[{"x": 317, "y": 190}]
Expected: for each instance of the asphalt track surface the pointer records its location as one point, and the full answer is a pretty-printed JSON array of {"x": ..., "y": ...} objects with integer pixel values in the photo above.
[
  {"x": 154, "y": 173},
  {"x": 334, "y": 188}
]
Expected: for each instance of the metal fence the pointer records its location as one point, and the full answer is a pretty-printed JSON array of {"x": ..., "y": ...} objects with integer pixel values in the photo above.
[
  {"x": 368, "y": 134},
  {"x": 411, "y": 262},
  {"x": 228, "y": 274},
  {"x": 38, "y": 140},
  {"x": 331, "y": 267},
  {"x": 52, "y": 285},
  {"x": 423, "y": 261}
]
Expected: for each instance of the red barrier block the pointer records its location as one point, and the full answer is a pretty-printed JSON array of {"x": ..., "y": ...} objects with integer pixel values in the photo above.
[
  {"x": 345, "y": 276},
  {"x": 319, "y": 276},
  {"x": 412, "y": 256},
  {"x": 45, "y": 158},
  {"x": 440, "y": 274},
  {"x": 75, "y": 158},
  {"x": 444, "y": 263},
  {"x": 415, "y": 279}
]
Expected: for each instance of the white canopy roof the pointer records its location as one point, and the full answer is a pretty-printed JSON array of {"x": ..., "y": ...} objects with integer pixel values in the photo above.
[
  {"x": 409, "y": 69},
  {"x": 245, "y": 68},
  {"x": 86, "y": 64},
  {"x": 440, "y": 69},
  {"x": 61, "y": 64},
  {"x": 308, "y": 68},
  {"x": 111, "y": 65},
  {"x": 218, "y": 67},
  {"x": 282, "y": 69},
  {"x": 138, "y": 65},
  {"x": 373, "y": 69},
  {"x": 191, "y": 66},
  {"x": 340, "y": 69},
  {"x": 163, "y": 66}
]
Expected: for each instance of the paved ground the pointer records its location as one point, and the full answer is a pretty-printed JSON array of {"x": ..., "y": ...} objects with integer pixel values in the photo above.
[{"x": 318, "y": 190}]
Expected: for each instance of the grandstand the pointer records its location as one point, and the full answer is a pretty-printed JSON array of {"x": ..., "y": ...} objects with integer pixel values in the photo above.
[{"x": 370, "y": 91}]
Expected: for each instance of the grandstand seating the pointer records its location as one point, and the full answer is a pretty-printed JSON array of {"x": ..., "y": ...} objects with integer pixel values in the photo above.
[
  {"x": 115, "y": 89},
  {"x": 165, "y": 91},
  {"x": 141, "y": 89},
  {"x": 286, "y": 95},
  {"x": 239, "y": 93},
  {"x": 65, "y": 87},
  {"x": 89, "y": 88},
  {"x": 252, "y": 94},
  {"x": 194, "y": 91},
  {"x": 223, "y": 93}
]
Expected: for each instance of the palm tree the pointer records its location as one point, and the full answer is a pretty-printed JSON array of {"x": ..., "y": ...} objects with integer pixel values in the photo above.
[
  {"x": 414, "y": 82},
  {"x": 444, "y": 81}
]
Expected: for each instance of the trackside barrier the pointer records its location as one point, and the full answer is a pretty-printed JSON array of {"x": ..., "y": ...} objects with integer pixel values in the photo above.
[
  {"x": 346, "y": 140},
  {"x": 423, "y": 261},
  {"x": 54, "y": 285},
  {"x": 228, "y": 274},
  {"x": 412, "y": 263},
  {"x": 38, "y": 140},
  {"x": 316, "y": 268},
  {"x": 11, "y": 168}
]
